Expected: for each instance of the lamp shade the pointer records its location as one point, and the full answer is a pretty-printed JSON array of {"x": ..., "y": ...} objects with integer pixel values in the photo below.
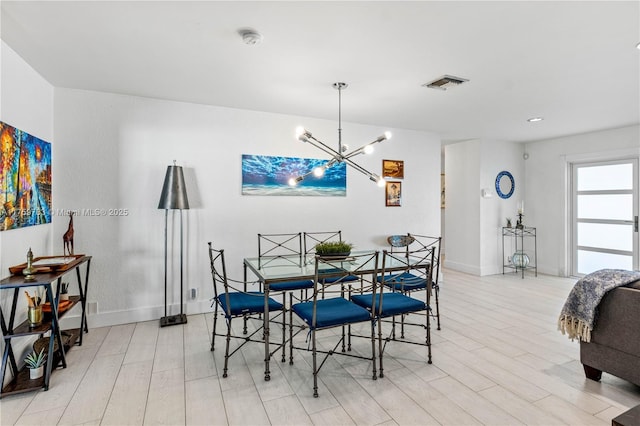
[{"x": 174, "y": 191}]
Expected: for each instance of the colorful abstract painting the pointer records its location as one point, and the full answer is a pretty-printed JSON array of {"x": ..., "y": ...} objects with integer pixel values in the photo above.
[
  {"x": 265, "y": 175},
  {"x": 25, "y": 179}
]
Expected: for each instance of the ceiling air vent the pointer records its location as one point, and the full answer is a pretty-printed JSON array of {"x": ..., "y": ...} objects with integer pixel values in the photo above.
[{"x": 445, "y": 82}]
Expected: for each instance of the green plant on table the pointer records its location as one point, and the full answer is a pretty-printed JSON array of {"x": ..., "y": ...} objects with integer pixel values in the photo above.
[
  {"x": 35, "y": 360},
  {"x": 333, "y": 247}
]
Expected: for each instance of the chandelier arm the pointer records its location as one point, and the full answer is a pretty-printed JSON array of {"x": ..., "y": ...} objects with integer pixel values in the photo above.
[
  {"x": 361, "y": 169},
  {"x": 355, "y": 152},
  {"x": 300, "y": 178},
  {"x": 361, "y": 149},
  {"x": 323, "y": 147}
]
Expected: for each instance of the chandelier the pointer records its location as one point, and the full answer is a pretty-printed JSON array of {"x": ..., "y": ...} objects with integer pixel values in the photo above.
[{"x": 341, "y": 155}]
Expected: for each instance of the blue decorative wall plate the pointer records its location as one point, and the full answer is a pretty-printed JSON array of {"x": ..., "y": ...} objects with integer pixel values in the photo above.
[{"x": 505, "y": 185}]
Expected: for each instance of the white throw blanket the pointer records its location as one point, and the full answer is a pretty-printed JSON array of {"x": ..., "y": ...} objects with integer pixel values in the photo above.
[{"x": 579, "y": 313}]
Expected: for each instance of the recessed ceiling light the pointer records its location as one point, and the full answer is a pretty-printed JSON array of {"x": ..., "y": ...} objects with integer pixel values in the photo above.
[{"x": 535, "y": 119}]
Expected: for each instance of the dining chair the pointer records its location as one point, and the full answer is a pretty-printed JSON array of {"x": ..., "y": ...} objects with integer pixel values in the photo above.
[
  {"x": 311, "y": 239},
  {"x": 286, "y": 248},
  {"x": 403, "y": 243},
  {"x": 236, "y": 303},
  {"x": 435, "y": 242},
  {"x": 390, "y": 301},
  {"x": 321, "y": 313}
]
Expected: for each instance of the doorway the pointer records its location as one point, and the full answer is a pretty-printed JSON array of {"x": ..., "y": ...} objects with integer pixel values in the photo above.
[{"x": 605, "y": 216}]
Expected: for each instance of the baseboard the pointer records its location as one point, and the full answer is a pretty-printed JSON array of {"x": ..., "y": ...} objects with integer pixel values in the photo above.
[
  {"x": 153, "y": 313},
  {"x": 462, "y": 267}
]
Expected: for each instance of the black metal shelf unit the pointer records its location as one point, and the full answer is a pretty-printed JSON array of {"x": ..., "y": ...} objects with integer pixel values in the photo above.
[
  {"x": 58, "y": 341},
  {"x": 521, "y": 259}
]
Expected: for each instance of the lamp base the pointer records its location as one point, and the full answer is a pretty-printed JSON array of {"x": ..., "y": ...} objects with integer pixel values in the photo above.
[{"x": 173, "y": 320}]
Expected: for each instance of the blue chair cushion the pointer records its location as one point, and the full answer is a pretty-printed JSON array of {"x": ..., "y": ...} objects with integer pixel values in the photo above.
[
  {"x": 344, "y": 279},
  {"x": 291, "y": 285},
  {"x": 403, "y": 282},
  {"x": 246, "y": 303},
  {"x": 392, "y": 303},
  {"x": 331, "y": 312},
  {"x": 335, "y": 278}
]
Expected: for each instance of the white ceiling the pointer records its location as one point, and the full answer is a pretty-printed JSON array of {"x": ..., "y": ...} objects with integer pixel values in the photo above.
[{"x": 574, "y": 63}]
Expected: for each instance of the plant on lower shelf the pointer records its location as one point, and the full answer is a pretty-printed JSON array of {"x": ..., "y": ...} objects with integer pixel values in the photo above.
[
  {"x": 35, "y": 360},
  {"x": 330, "y": 248}
]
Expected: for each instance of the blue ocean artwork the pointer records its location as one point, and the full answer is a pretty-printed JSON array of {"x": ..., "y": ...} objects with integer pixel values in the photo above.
[{"x": 268, "y": 175}]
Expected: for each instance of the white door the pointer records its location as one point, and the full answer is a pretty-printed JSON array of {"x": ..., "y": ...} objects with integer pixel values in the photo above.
[{"x": 605, "y": 216}]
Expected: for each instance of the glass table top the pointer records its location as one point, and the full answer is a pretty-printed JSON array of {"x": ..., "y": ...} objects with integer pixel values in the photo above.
[{"x": 282, "y": 268}]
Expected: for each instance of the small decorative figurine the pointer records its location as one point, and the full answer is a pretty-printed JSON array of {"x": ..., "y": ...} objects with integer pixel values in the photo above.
[
  {"x": 508, "y": 222},
  {"x": 29, "y": 270},
  {"x": 67, "y": 238}
]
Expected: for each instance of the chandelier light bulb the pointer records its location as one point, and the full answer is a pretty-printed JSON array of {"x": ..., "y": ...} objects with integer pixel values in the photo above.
[
  {"x": 381, "y": 183},
  {"x": 300, "y": 132},
  {"x": 368, "y": 149},
  {"x": 387, "y": 135},
  {"x": 292, "y": 182},
  {"x": 318, "y": 171}
]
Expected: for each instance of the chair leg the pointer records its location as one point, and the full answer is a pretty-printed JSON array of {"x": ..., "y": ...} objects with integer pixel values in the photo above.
[
  {"x": 373, "y": 348},
  {"x": 349, "y": 339},
  {"x": 380, "y": 347},
  {"x": 428, "y": 340},
  {"x": 284, "y": 326},
  {"x": 393, "y": 327},
  {"x": 315, "y": 368},
  {"x": 291, "y": 330},
  {"x": 215, "y": 324},
  {"x": 437, "y": 290},
  {"x": 226, "y": 353}
]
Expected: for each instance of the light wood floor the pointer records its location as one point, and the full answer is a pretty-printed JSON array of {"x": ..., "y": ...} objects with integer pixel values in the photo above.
[{"x": 498, "y": 360}]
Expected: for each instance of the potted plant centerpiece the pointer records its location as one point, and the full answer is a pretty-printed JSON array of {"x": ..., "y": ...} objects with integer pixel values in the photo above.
[
  {"x": 334, "y": 249},
  {"x": 35, "y": 362}
]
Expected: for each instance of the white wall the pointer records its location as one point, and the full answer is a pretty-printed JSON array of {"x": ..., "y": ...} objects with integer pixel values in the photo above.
[
  {"x": 547, "y": 179},
  {"x": 26, "y": 102},
  {"x": 462, "y": 207},
  {"x": 112, "y": 152},
  {"x": 473, "y": 223}
]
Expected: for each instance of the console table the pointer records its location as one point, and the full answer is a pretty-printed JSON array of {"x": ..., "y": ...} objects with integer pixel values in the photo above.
[
  {"x": 50, "y": 278},
  {"x": 520, "y": 260}
]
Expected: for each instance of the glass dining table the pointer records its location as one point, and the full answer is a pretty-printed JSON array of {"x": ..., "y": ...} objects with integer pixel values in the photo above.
[{"x": 295, "y": 267}]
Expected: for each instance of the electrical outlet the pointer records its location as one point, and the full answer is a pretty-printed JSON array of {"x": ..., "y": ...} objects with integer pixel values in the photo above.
[
  {"x": 194, "y": 293},
  {"x": 92, "y": 308}
]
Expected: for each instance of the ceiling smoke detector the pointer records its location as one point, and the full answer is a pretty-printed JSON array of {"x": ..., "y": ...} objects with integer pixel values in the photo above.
[
  {"x": 445, "y": 82},
  {"x": 250, "y": 37}
]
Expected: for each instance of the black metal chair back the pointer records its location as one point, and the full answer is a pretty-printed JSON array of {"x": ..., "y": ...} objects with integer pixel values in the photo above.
[
  {"x": 311, "y": 239},
  {"x": 279, "y": 246}
]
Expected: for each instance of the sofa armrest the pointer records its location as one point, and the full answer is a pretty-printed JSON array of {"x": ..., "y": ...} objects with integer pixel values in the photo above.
[{"x": 618, "y": 321}]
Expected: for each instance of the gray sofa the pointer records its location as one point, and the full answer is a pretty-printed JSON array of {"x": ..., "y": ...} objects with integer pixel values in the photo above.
[{"x": 615, "y": 339}]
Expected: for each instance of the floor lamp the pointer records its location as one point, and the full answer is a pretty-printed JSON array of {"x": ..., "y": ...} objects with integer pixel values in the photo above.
[{"x": 173, "y": 197}]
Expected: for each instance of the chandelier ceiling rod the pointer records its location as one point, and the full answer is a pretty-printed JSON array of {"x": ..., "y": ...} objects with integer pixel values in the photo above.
[{"x": 338, "y": 156}]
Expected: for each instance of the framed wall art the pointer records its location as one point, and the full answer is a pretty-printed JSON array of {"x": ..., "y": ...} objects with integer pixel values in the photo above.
[
  {"x": 268, "y": 175},
  {"x": 393, "y": 194},
  {"x": 25, "y": 179},
  {"x": 393, "y": 169}
]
